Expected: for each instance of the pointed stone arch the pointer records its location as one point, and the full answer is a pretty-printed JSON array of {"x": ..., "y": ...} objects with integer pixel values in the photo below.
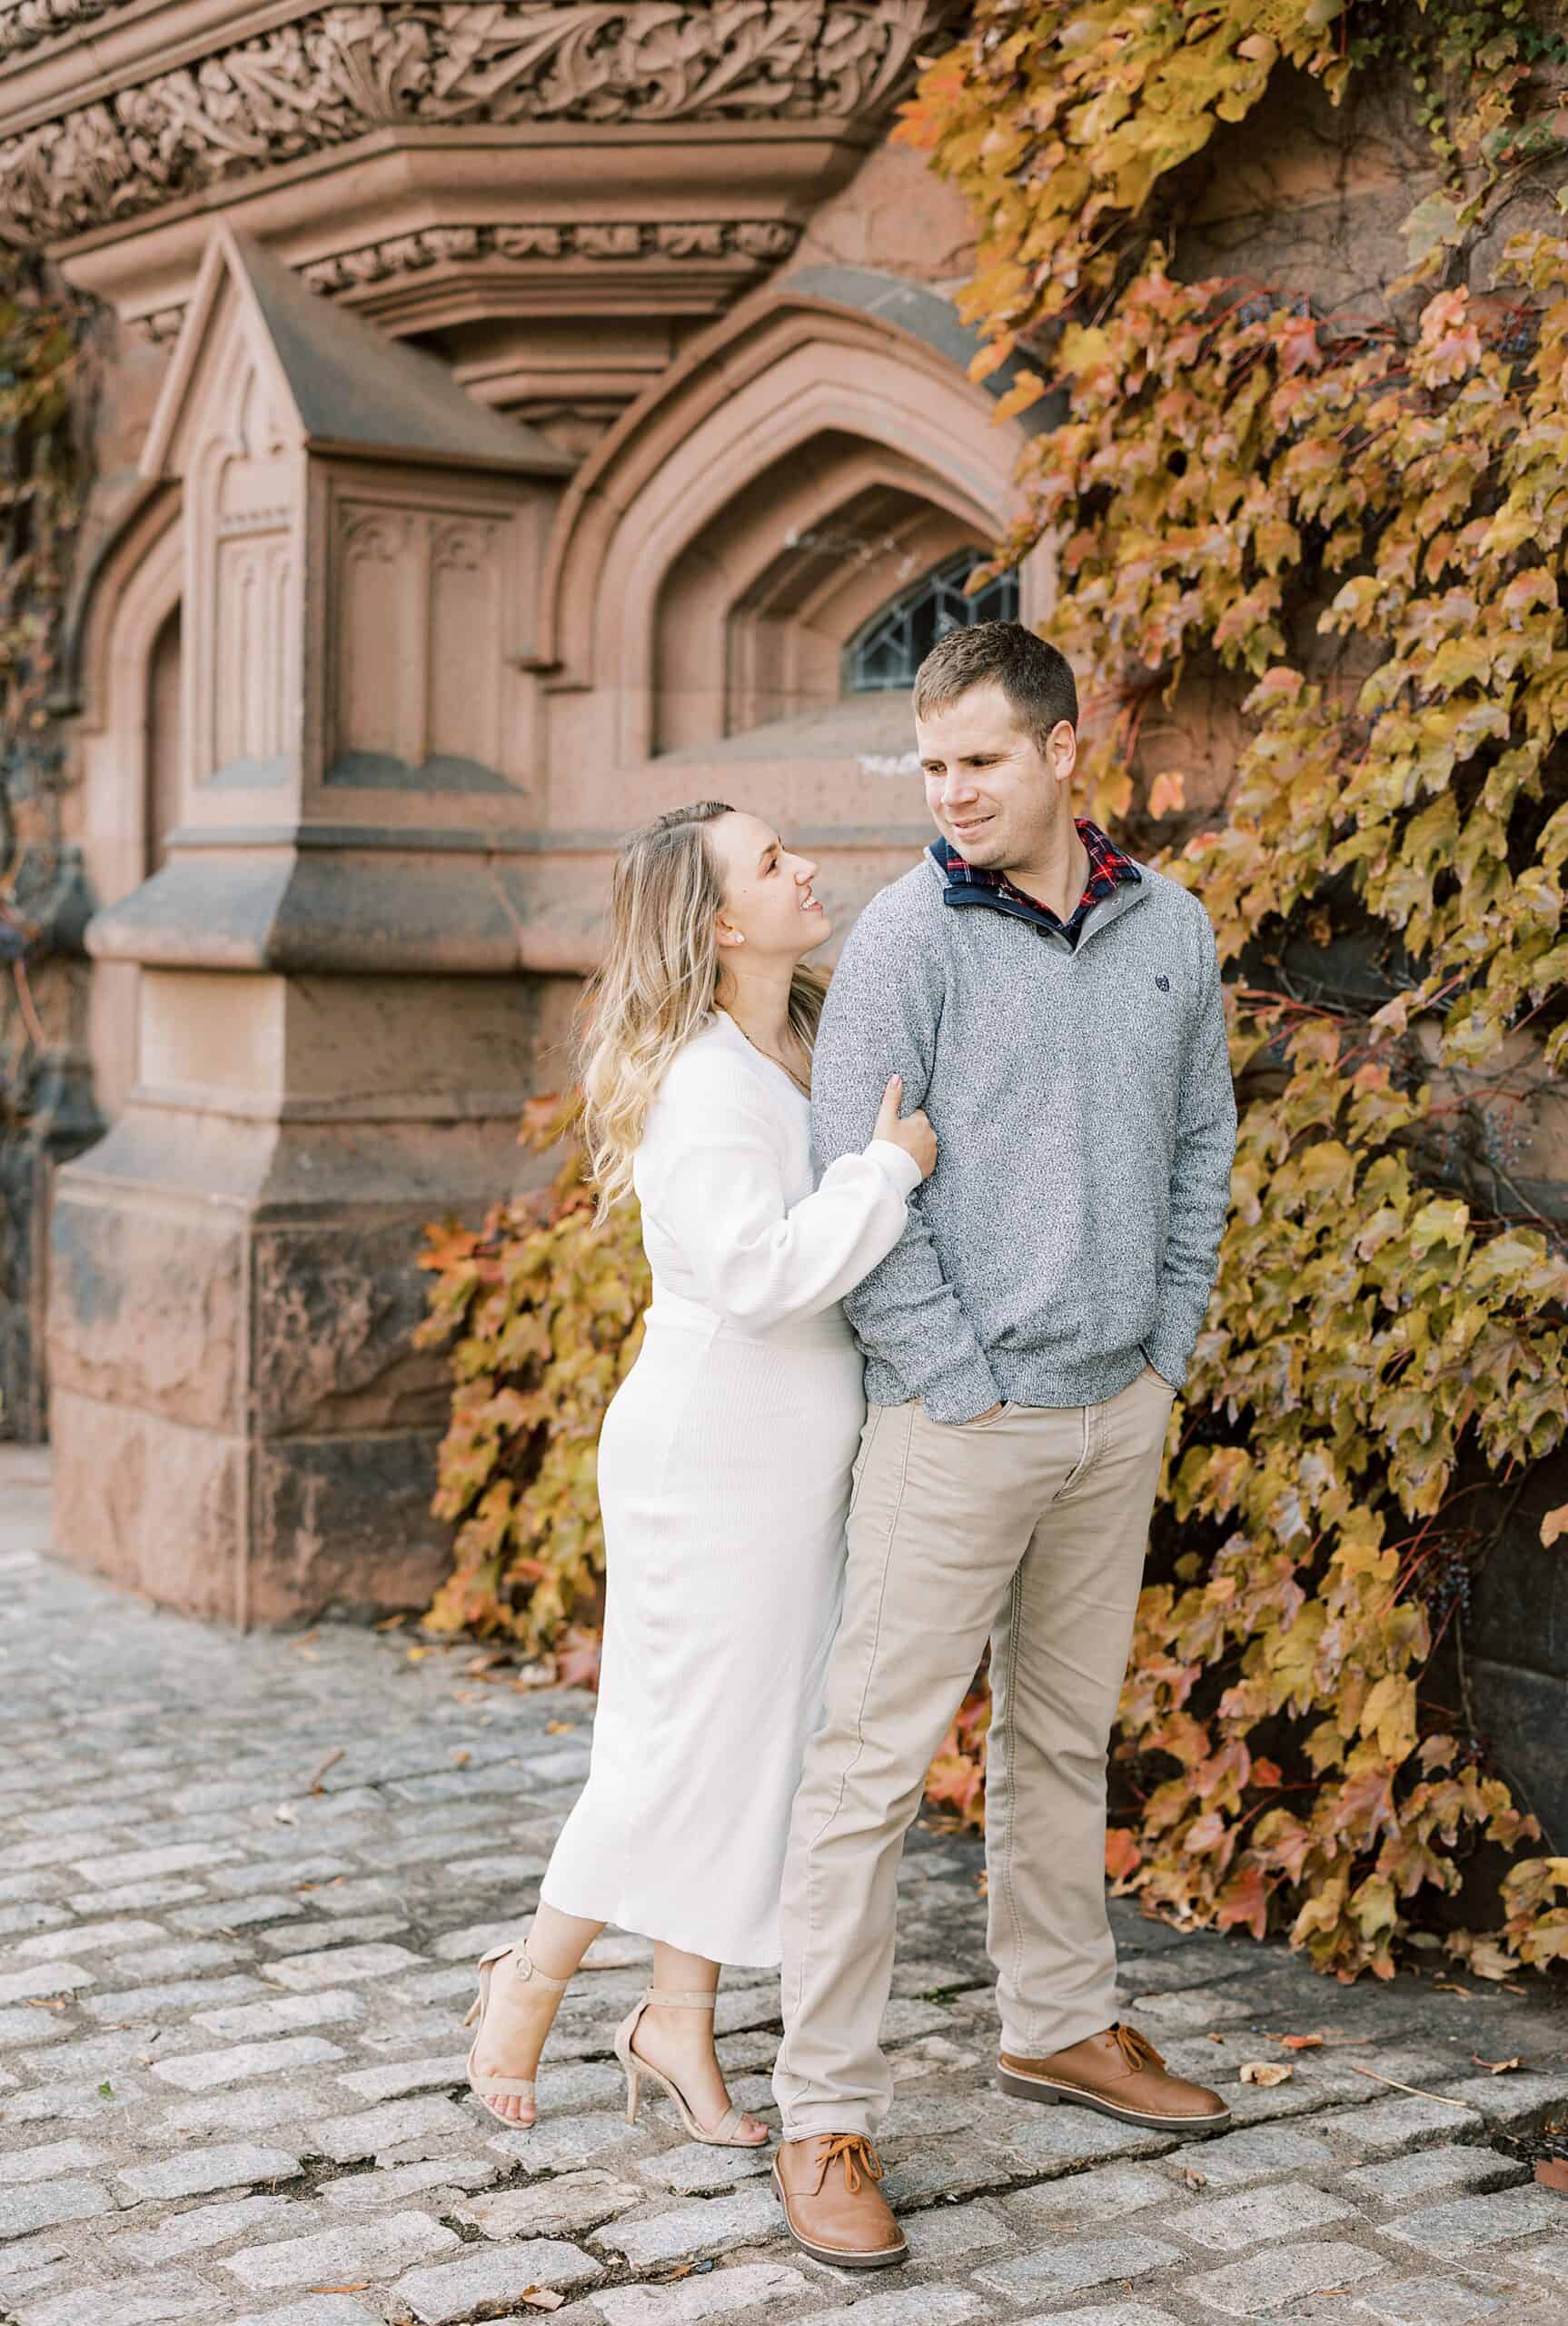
[{"x": 789, "y": 370}]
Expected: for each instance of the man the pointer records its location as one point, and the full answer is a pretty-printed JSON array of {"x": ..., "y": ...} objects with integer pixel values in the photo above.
[{"x": 1055, "y": 1007}]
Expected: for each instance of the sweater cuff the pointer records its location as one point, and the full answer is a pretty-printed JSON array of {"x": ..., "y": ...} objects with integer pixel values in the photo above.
[
  {"x": 961, "y": 1394},
  {"x": 896, "y": 1164},
  {"x": 1169, "y": 1358}
]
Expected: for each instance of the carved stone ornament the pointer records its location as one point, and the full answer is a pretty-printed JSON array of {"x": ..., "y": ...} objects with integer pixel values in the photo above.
[
  {"x": 754, "y": 240},
  {"x": 28, "y": 22},
  {"x": 338, "y": 72}
]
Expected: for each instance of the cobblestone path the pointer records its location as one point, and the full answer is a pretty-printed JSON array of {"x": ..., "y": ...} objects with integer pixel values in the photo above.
[{"x": 243, "y": 1883}]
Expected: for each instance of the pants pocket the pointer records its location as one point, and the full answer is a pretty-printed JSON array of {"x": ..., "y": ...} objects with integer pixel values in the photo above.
[{"x": 873, "y": 1421}]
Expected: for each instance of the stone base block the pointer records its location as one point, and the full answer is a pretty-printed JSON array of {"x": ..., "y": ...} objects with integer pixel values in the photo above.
[{"x": 275, "y": 1531}]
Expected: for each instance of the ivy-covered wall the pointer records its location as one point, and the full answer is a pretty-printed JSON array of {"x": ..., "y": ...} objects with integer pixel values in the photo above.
[
  {"x": 1296, "y": 279},
  {"x": 47, "y": 384}
]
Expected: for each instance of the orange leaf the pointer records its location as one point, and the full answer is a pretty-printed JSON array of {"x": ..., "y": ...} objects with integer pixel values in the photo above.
[
  {"x": 1244, "y": 1901},
  {"x": 1123, "y": 1855},
  {"x": 1167, "y": 793}
]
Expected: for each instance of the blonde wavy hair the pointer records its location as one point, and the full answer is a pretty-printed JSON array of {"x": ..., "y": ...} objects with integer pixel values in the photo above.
[{"x": 659, "y": 985}]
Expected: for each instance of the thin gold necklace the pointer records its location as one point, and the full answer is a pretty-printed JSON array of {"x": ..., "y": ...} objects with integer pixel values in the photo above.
[{"x": 803, "y": 1087}]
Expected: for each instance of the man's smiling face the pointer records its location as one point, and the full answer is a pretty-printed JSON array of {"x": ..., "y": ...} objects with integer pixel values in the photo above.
[{"x": 992, "y": 790}]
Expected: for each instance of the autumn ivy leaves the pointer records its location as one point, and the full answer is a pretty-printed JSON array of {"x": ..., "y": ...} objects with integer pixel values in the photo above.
[
  {"x": 1365, "y": 521},
  {"x": 543, "y": 1312}
]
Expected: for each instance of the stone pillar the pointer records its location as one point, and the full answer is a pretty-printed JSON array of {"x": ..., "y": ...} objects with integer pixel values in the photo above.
[{"x": 335, "y": 1036}]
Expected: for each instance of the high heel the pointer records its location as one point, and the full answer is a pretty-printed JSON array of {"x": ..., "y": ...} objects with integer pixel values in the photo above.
[
  {"x": 486, "y": 2088},
  {"x": 726, "y": 2132}
]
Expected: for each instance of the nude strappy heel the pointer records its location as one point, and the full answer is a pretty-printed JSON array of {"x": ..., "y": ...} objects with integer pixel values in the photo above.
[
  {"x": 726, "y": 2132},
  {"x": 487, "y": 2088}
]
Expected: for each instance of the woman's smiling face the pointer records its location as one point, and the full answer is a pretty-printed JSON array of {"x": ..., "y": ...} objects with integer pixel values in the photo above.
[{"x": 767, "y": 898}]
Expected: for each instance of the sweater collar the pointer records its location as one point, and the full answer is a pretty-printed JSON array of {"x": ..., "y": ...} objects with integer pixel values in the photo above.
[{"x": 1110, "y": 869}]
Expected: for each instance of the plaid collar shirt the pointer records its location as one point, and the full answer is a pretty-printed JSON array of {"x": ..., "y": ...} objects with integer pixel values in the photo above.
[{"x": 1109, "y": 868}]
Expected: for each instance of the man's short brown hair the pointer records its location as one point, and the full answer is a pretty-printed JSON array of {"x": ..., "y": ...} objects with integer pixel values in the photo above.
[{"x": 1037, "y": 679}]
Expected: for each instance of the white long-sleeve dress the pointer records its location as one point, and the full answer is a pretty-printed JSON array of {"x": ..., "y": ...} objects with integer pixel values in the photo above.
[{"x": 724, "y": 1483}]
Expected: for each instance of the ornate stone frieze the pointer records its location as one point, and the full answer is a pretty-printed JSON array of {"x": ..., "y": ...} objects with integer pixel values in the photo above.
[
  {"x": 758, "y": 240},
  {"x": 26, "y": 23},
  {"x": 337, "y": 73}
]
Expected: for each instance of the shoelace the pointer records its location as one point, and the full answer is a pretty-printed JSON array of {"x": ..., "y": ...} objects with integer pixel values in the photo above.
[
  {"x": 857, "y": 2152},
  {"x": 1135, "y": 2049}
]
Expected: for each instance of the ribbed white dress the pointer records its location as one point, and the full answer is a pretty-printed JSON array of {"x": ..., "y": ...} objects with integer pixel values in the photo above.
[{"x": 724, "y": 1481}]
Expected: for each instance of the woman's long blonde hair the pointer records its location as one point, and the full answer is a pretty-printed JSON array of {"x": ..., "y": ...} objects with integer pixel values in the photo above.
[{"x": 658, "y": 984}]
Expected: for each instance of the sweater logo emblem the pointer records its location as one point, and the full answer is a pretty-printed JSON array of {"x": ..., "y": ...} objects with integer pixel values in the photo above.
[{"x": 1164, "y": 983}]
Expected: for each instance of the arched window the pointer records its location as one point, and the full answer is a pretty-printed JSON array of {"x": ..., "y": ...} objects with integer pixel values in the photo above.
[{"x": 889, "y": 649}]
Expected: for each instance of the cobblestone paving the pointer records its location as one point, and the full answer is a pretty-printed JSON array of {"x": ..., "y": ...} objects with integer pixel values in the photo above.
[{"x": 242, "y": 1886}]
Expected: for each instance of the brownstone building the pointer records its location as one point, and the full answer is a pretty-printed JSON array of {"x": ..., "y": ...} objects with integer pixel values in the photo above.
[{"x": 513, "y": 421}]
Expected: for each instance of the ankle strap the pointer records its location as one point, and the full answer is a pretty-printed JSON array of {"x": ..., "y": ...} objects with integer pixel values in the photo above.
[
  {"x": 524, "y": 1967},
  {"x": 683, "y": 1999}
]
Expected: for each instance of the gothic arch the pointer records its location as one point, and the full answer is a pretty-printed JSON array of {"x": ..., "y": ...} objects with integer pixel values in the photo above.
[
  {"x": 129, "y": 745},
  {"x": 787, "y": 371}
]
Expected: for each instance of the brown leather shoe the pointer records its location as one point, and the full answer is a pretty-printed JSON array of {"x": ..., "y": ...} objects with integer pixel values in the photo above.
[
  {"x": 1120, "y": 2073},
  {"x": 833, "y": 2208}
]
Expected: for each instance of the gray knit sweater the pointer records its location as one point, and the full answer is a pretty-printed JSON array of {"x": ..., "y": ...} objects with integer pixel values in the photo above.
[{"x": 1083, "y": 1102}]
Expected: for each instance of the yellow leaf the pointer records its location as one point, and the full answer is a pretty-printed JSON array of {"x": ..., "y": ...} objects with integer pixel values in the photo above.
[
  {"x": 1389, "y": 1714},
  {"x": 1026, "y": 390}
]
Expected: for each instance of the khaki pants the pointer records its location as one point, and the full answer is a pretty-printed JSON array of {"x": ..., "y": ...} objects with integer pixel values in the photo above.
[{"x": 1029, "y": 1529}]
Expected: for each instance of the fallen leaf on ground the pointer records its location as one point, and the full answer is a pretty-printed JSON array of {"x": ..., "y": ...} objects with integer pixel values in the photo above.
[
  {"x": 1193, "y": 2179},
  {"x": 416, "y": 1654},
  {"x": 1266, "y": 2071},
  {"x": 559, "y": 1728},
  {"x": 1552, "y": 2172},
  {"x": 1299, "y": 2042},
  {"x": 1495, "y": 2067},
  {"x": 463, "y": 1757},
  {"x": 543, "y": 2298},
  {"x": 1450, "y": 1987},
  {"x": 1214, "y": 2038},
  {"x": 50, "y": 2002},
  {"x": 287, "y": 1814},
  {"x": 389, "y": 1623}
]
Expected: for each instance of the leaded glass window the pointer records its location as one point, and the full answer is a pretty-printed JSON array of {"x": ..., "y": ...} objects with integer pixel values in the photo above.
[{"x": 892, "y": 645}]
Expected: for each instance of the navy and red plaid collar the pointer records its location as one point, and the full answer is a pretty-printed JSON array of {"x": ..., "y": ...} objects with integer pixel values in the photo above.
[{"x": 1109, "y": 868}]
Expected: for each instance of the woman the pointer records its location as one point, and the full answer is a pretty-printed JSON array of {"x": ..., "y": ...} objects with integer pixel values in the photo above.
[{"x": 725, "y": 1458}]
